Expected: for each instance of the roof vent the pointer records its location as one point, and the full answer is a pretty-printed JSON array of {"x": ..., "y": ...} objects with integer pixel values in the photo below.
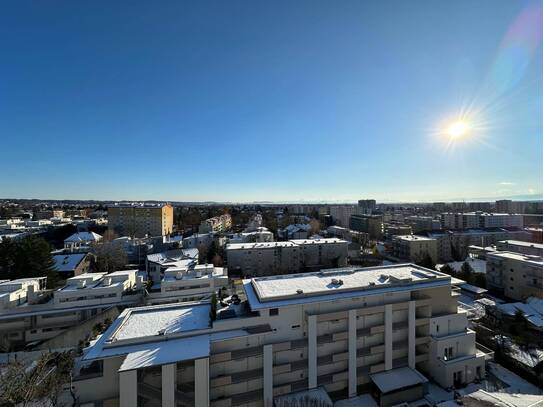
[{"x": 299, "y": 291}]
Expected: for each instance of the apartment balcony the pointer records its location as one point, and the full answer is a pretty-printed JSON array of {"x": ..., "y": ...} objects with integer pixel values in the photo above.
[
  {"x": 233, "y": 378},
  {"x": 489, "y": 353}
]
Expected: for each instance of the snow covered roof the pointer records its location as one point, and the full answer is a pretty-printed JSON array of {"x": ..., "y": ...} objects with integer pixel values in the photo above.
[
  {"x": 397, "y": 379},
  {"x": 84, "y": 237},
  {"x": 165, "y": 352},
  {"x": 348, "y": 282},
  {"x": 173, "y": 256},
  {"x": 67, "y": 262},
  {"x": 532, "y": 310},
  {"x": 522, "y": 243},
  {"x": 162, "y": 320},
  {"x": 530, "y": 259},
  {"x": 473, "y": 289}
]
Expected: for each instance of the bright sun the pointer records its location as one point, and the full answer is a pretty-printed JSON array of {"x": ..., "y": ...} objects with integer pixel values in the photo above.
[{"x": 457, "y": 129}]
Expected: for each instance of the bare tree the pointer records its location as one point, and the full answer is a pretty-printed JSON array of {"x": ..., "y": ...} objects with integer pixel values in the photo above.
[
  {"x": 43, "y": 380},
  {"x": 110, "y": 256}
]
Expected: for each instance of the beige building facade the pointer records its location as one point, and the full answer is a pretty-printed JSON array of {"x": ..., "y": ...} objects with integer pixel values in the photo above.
[
  {"x": 332, "y": 329},
  {"x": 140, "y": 220}
]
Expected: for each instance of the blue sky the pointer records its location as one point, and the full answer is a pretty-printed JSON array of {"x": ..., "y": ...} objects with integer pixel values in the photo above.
[{"x": 281, "y": 101}]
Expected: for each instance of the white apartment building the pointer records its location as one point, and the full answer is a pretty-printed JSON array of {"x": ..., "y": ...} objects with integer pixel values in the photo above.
[
  {"x": 46, "y": 314},
  {"x": 256, "y": 235},
  {"x": 14, "y": 293},
  {"x": 81, "y": 241},
  {"x": 96, "y": 287},
  {"x": 414, "y": 248},
  {"x": 178, "y": 259},
  {"x": 292, "y": 256},
  {"x": 477, "y": 220},
  {"x": 423, "y": 223},
  {"x": 338, "y": 330},
  {"x": 515, "y": 275},
  {"x": 192, "y": 284}
]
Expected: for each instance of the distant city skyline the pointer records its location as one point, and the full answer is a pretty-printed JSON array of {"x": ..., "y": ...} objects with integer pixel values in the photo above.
[{"x": 285, "y": 102}]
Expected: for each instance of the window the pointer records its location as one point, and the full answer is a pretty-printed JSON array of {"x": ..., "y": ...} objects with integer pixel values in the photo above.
[
  {"x": 295, "y": 326},
  {"x": 274, "y": 312}
]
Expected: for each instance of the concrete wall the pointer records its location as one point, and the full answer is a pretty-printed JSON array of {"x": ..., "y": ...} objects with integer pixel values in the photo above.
[{"x": 70, "y": 337}]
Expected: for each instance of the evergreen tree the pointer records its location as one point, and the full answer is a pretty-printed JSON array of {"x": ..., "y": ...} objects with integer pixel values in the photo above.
[{"x": 27, "y": 257}]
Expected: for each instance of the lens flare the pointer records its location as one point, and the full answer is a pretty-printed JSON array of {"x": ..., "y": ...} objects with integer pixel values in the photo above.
[{"x": 457, "y": 129}]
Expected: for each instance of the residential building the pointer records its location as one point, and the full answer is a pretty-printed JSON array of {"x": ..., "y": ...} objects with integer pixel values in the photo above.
[
  {"x": 256, "y": 235},
  {"x": 481, "y": 220},
  {"x": 140, "y": 220},
  {"x": 342, "y": 330},
  {"x": 81, "y": 241},
  {"x": 396, "y": 229},
  {"x": 14, "y": 293},
  {"x": 461, "y": 240},
  {"x": 261, "y": 259},
  {"x": 414, "y": 248},
  {"x": 101, "y": 287},
  {"x": 196, "y": 283},
  {"x": 347, "y": 234},
  {"x": 49, "y": 213},
  {"x": 370, "y": 224},
  {"x": 72, "y": 264},
  {"x": 515, "y": 275},
  {"x": 519, "y": 246},
  {"x": 217, "y": 224},
  {"x": 46, "y": 314},
  {"x": 296, "y": 231},
  {"x": 423, "y": 223},
  {"x": 366, "y": 206},
  {"x": 508, "y": 206},
  {"x": 536, "y": 234},
  {"x": 204, "y": 240},
  {"x": 178, "y": 259},
  {"x": 341, "y": 214},
  {"x": 454, "y": 244}
]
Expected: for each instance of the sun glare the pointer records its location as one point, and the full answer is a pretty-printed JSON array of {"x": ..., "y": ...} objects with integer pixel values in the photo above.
[{"x": 457, "y": 129}]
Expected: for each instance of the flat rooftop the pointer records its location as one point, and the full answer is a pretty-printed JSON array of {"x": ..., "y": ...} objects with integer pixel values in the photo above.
[
  {"x": 414, "y": 238},
  {"x": 334, "y": 282},
  {"x": 523, "y": 243},
  {"x": 262, "y": 245},
  {"x": 535, "y": 260},
  {"x": 162, "y": 320},
  {"x": 397, "y": 379}
]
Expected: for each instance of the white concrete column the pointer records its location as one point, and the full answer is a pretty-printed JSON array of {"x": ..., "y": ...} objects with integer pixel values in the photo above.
[
  {"x": 268, "y": 375},
  {"x": 388, "y": 336},
  {"x": 411, "y": 334},
  {"x": 312, "y": 351},
  {"x": 169, "y": 373},
  {"x": 201, "y": 382},
  {"x": 128, "y": 388},
  {"x": 352, "y": 353}
]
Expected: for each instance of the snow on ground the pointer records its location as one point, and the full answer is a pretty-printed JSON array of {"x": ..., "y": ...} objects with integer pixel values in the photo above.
[
  {"x": 514, "y": 391},
  {"x": 477, "y": 265}
]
